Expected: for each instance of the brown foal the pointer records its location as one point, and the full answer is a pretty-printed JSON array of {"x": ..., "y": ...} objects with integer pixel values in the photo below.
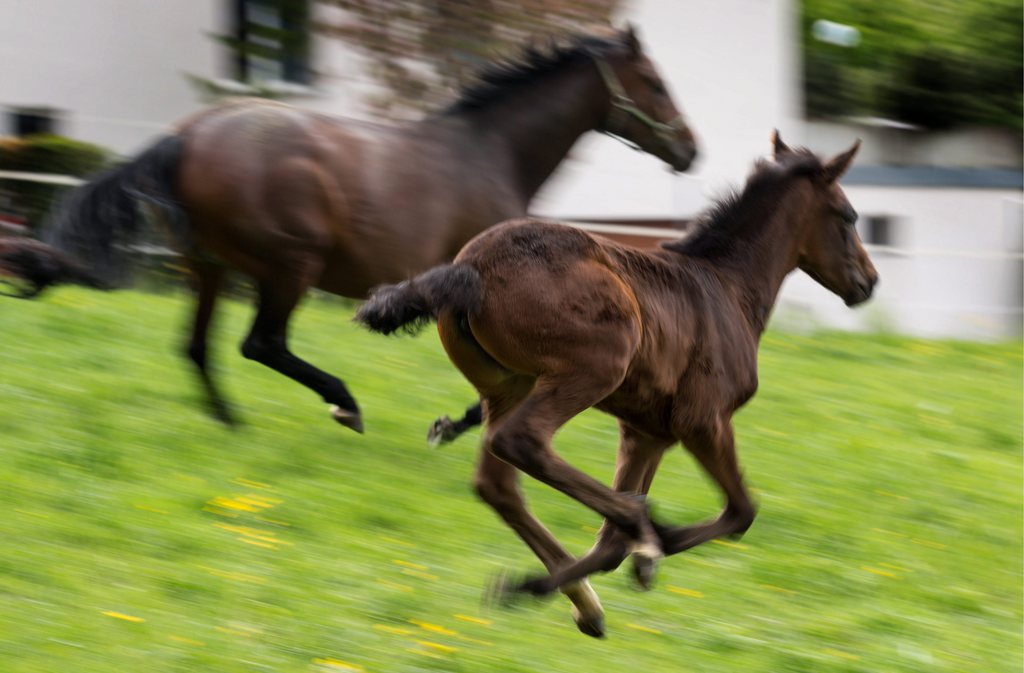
[{"x": 547, "y": 321}]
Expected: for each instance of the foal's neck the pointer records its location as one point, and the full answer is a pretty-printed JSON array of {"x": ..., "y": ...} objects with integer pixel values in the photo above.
[
  {"x": 760, "y": 261},
  {"x": 536, "y": 127}
]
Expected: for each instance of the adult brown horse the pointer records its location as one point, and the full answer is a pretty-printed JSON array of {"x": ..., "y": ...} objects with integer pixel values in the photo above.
[
  {"x": 298, "y": 200},
  {"x": 547, "y": 321}
]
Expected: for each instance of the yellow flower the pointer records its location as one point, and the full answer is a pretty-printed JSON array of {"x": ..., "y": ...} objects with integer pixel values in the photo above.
[{"x": 121, "y": 615}]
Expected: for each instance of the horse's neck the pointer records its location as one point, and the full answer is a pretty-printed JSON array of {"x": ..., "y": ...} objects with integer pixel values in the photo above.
[{"x": 535, "y": 129}]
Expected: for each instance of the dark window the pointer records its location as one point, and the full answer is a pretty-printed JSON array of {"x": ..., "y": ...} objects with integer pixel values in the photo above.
[
  {"x": 29, "y": 121},
  {"x": 877, "y": 230},
  {"x": 272, "y": 40}
]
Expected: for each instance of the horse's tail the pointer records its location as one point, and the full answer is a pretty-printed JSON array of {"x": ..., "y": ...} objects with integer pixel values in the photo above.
[
  {"x": 97, "y": 220},
  {"x": 412, "y": 304},
  {"x": 41, "y": 266}
]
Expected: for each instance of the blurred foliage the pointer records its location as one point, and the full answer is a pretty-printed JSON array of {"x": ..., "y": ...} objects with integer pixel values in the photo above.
[
  {"x": 417, "y": 50},
  {"x": 934, "y": 63},
  {"x": 275, "y": 31},
  {"x": 46, "y": 154},
  {"x": 453, "y": 38}
]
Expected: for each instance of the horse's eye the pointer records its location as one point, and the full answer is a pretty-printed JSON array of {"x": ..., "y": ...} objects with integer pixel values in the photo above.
[{"x": 659, "y": 88}]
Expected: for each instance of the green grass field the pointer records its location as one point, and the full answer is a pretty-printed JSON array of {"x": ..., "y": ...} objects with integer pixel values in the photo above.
[{"x": 139, "y": 535}]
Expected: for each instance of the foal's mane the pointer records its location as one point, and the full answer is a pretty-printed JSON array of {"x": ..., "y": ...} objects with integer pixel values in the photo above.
[
  {"x": 718, "y": 228},
  {"x": 495, "y": 80}
]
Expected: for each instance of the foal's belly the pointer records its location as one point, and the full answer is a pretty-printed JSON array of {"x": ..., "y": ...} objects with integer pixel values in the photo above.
[{"x": 647, "y": 410}]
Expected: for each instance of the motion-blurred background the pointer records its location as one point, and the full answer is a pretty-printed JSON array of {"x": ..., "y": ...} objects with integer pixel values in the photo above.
[
  {"x": 884, "y": 446},
  {"x": 933, "y": 89}
]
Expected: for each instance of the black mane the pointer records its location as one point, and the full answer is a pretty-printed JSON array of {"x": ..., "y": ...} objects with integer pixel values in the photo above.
[
  {"x": 717, "y": 229},
  {"x": 496, "y": 79}
]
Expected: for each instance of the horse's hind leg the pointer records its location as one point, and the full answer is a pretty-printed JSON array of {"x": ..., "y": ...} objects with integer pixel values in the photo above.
[
  {"x": 207, "y": 278},
  {"x": 445, "y": 430},
  {"x": 267, "y": 344}
]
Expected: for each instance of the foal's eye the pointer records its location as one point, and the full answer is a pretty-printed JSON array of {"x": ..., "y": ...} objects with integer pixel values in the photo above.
[{"x": 848, "y": 215}]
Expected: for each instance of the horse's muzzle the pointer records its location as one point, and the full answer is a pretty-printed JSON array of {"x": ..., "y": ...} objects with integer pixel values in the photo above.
[
  {"x": 862, "y": 290},
  {"x": 683, "y": 154}
]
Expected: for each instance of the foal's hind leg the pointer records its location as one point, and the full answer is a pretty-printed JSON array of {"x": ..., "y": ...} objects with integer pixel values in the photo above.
[
  {"x": 497, "y": 484},
  {"x": 207, "y": 277},
  {"x": 638, "y": 459},
  {"x": 267, "y": 344},
  {"x": 445, "y": 430},
  {"x": 635, "y": 465},
  {"x": 524, "y": 441}
]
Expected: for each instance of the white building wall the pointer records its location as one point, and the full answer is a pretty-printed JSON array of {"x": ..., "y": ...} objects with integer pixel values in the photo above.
[
  {"x": 116, "y": 67},
  {"x": 954, "y": 268},
  {"x": 730, "y": 65}
]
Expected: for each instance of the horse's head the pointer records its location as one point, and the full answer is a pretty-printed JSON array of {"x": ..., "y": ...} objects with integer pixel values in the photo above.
[
  {"x": 640, "y": 109},
  {"x": 830, "y": 251}
]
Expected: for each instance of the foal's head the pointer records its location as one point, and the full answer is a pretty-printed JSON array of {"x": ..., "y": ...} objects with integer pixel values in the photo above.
[
  {"x": 830, "y": 250},
  {"x": 640, "y": 110}
]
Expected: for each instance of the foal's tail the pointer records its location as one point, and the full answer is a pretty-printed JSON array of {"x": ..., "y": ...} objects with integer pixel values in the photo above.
[
  {"x": 412, "y": 304},
  {"x": 97, "y": 220}
]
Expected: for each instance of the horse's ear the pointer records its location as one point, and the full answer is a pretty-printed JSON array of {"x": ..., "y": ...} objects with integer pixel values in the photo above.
[
  {"x": 632, "y": 41},
  {"x": 839, "y": 164},
  {"x": 778, "y": 146}
]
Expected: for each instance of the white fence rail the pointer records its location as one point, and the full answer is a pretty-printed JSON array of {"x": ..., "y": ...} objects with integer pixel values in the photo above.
[{"x": 45, "y": 178}]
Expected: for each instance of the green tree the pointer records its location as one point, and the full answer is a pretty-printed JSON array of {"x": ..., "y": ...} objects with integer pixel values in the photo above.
[
  {"x": 452, "y": 37},
  {"x": 935, "y": 63}
]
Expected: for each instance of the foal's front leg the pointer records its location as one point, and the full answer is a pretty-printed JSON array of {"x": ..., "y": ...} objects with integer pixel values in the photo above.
[{"x": 715, "y": 448}]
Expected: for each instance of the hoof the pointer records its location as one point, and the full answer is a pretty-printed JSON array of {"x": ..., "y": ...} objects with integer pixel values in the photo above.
[
  {"x": 592, "y": 626},
  {"x": 222, "y": 412},
  {"x": 645, "y": 563},
  {"x": 441, "y": 432},
  {"x": 506, "y": 591},
  {"x": 586, "y": 608},
  {"x": 350, "y": 419},
  {"x": 499, "y": 591}
]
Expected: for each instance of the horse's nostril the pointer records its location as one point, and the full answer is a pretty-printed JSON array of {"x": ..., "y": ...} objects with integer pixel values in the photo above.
[{"x": 685, "y": 154}]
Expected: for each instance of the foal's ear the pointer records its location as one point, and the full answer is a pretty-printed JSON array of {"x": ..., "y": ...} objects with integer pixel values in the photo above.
[
  {"x": 838, "y": 165},
  {"x": 778, "y": 146},
  {"x": 632, "y": 41}
]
